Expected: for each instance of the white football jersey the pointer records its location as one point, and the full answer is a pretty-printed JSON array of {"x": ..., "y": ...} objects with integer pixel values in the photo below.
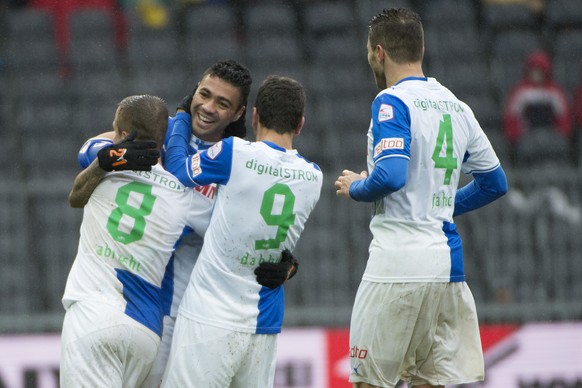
[
  {"x": 130, "y": 226},
  {"x": 414, "y": 236},
  {"x": 265, "y": 195}
]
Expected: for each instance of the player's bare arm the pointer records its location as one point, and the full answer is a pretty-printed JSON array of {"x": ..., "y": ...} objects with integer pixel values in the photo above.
[
  {"x": 344, "y": 181},
  {"x": 88, "y": 179},
  {"x": 85, "y": 183},
  {"x": 125, "y": 155}
]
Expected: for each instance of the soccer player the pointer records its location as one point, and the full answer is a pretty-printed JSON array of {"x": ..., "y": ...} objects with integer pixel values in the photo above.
[
  {"x": 414, "y": 317},
  {"x": 218, "y": 104},
  {"x": 225, "y": 334},
  {"x": 132, "y": 220}
]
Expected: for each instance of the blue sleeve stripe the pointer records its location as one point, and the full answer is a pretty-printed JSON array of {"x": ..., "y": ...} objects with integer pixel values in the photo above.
[
  {"x": 390, "y": 120},
  {"x": 485, "y": 171},
  {"x": 178, "y": 159},
  {"x": 88, "y": 152},
  {"x": 392, "y": 156},
  {"x": 216, "y": 166},
  {"x": 482, "y": 190}
]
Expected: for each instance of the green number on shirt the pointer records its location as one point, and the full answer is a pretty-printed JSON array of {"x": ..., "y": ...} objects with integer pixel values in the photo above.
[
  {"x": 125, "y": 209},
  {"x": 445, "y": 136},
  {"x": 282, "y": 220}
]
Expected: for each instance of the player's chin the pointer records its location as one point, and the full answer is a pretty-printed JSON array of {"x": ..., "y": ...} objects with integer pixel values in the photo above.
[
  {"x": 208, "y": 134},
  {"x": 204, "y": 129}
]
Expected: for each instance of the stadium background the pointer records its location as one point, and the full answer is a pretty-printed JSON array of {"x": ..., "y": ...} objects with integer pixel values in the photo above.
[{"x": 63, "y": 71}]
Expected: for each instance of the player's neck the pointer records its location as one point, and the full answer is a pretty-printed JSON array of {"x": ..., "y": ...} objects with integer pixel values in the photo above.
[
  {"x": 398, "y": 72},
  {"x": 282, "y": 140}
]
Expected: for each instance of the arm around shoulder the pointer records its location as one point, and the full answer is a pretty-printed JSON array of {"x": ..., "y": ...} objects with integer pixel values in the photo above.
[{"x": 84, "y": 184}]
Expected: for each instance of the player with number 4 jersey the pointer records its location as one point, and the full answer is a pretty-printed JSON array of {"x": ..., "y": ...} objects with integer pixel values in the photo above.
[
  {"x": 414, "y": 318},
  {"x": 224, "y": 334}
]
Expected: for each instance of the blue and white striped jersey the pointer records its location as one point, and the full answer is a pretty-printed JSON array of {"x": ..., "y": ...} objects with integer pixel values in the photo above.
[{"x": 414, "y": 236}]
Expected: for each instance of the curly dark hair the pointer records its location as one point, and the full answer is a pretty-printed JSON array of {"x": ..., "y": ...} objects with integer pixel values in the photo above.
[{"x": 235, "y": 74}]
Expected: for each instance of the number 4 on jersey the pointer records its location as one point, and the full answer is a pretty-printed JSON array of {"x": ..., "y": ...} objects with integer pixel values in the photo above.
[{"x": 445, "y": 138}]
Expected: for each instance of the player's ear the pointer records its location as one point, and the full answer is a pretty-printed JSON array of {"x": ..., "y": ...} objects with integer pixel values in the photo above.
[
  {"x": 300, "y": 126},
  {"x": 379, "y": 53},
  {"x": 239, "y": 114},
  {"x": 255, "y": 120},
  {"x": 119, "y": 135}
]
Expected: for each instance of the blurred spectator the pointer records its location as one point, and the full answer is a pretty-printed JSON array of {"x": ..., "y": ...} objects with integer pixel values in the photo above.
[
  {"x": 577, "y": 119},
  {"x": 62, "y": 9},
  {"x": 536, "y": 6},
  {"x": 537, "y": 121}
]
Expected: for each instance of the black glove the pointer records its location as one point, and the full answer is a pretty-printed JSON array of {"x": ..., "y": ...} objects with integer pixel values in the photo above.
[
  {"x": 272, "y": 275},
  {"x": 187, "y": 102},
  {"x": 129, "y": 155},
  {"x": 237, "y": 128}
]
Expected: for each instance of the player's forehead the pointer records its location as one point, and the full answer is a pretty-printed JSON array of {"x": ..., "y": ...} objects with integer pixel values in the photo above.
[{"x": 220, "y": 88}]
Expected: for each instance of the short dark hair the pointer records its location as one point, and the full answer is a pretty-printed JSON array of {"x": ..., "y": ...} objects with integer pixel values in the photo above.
[
  {"x": 280, "y": 103},
  {"x": 146, "y": 114},
  {"x": 399, "y": 31},
  {"x": 235, "y": 74}
]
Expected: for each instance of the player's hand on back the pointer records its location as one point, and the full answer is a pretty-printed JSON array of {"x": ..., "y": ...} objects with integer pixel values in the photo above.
[
  {"x": 272, "y": 275},
  {"x": 129, "y": 154}
]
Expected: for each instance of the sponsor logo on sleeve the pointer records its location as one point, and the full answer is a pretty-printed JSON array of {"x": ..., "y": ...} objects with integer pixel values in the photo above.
[
  {"x": 389, "y": 143},
  {"x": 195, "y": 165},
  {"x": 215, "y": 150},
  {"x": 386, "y": 113}
]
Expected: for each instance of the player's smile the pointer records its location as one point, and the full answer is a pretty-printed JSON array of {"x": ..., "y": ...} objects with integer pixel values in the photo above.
[{"x": 205, "y": 118}]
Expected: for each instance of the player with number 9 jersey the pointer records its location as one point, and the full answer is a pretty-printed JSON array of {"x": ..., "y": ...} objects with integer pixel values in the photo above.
[
  {"x": 264, "y": 196},
  {"x": 227, "y": 323}
]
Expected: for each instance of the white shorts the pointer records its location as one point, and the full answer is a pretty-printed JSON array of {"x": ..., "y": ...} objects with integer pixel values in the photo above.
[
  {"x": 212, "y": 357},
  {"x": 423, "y": 333},
  {"x": 154, "y": 378},
  {"x": 103, "y": 347}
]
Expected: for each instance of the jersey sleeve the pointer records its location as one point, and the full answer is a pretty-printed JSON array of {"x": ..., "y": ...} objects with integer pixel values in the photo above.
[
  {"x": 89, "y": 150},
  {"x": 210, "y": 166},
  {"x": 388, "y": 176},
  {"x": 482, "y": 190},
  {"x": 480, "y": 155},
  {"x": 167, "y": 138},
  {"x": 390, "y": 127}
]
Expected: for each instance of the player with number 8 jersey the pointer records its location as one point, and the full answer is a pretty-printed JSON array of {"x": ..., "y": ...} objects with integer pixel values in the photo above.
[{"x": 113, "y": 296}]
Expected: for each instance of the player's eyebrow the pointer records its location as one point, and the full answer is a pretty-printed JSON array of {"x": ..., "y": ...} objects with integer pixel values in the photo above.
[
  {"x": 225, "y": 101},
  {"x": 221, "y": 99}
]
